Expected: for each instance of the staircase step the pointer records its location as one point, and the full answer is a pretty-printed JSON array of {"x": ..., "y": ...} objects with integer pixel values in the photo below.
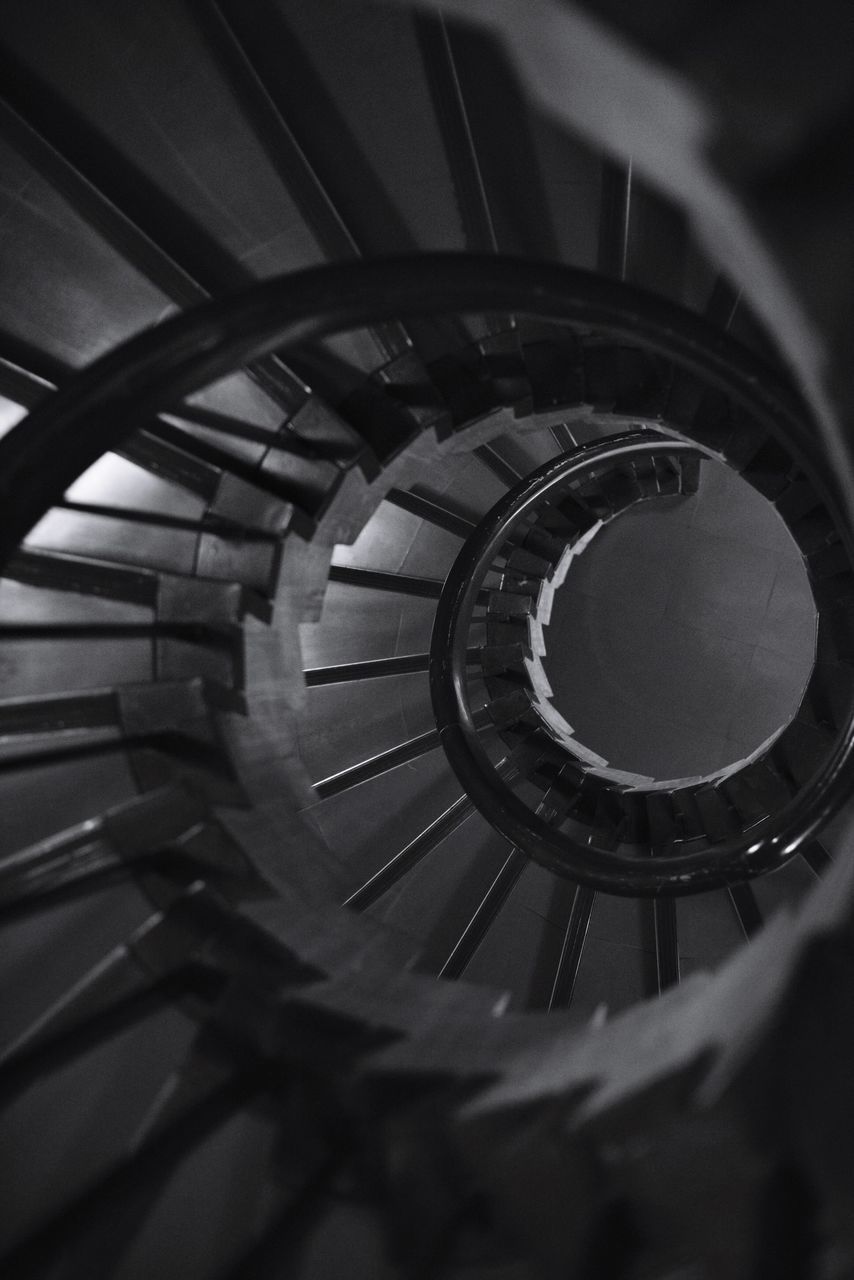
[
  {"x": 231, "y": 487},
  {"x": 544, "y": 545},
  {"x": 93, "y": 1007},
  {"x": 168, "y": 827},
  {"x": 756, "y": 792},
  {"x": 690, "y": 473},
  {"x": 670, "y": 474},
  {"x": 828, "y": 697},
  {"x": 622, "y": 380},
  {"x": 770, "y": 471},
  {"x": 157, "y": 543},
  {"x": 538, "y": 757},
  {"x": 510, "y": 708},
  {"x": 394, "y": 407},
  {"x": 797, "y": 500},
  {"x": 620, "y": 487},
  {"x": 196, "y": 624},
  {"x": 525, "y": 565},
  {"x": 663, "y": 823},
  {"x": 287, "y": 471},
  {"x": 829, "y": 562},
  {"x": 609, "y": 825},
  {"x": 496, "y": 659},
  {"x": 553, "y": 360},
  {"x": 169, "y": 731},
  {"x": 716, "y": 814},
  {"x": 801, "y": 749},
  {"x": 509, "y": 604},
  {"x": 488, "y": 376},
  {"x": 503, "y": 367},
  {"x": 499, "y": 634},
  {"x": 688, "y": 817},
  {"x": 813, "y": 530}
]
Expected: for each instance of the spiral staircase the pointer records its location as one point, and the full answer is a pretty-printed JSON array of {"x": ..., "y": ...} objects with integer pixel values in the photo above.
[{"x": 357, "y": 363}]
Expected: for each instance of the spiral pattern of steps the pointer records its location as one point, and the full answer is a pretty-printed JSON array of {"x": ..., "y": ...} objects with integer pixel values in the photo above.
[{"x": 234, "y": 915}]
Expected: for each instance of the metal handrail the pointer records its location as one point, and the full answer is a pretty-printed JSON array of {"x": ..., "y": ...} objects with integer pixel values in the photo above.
[{"x": 97, "y": 409}]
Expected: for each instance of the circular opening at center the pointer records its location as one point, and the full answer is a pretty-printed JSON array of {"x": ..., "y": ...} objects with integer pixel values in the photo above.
[{"x": 684, "y": 634}]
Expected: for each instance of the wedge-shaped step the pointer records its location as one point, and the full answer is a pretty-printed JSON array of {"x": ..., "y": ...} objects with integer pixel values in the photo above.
[
  {"x": 564, "y": 794},
  {"x": 770, "y": 470},
  {"x": 512, "y": 707},
  {"x": 302, "y": 484},
  {"x": 553, "y": 361},
  {"x": 316, "y": 424},
  {"x": 674, "y": 475},
  {"x": 544, "y": 545},
  {"x": 510, "y": 604},
  {"x": 689, "y": 470},
  {"x": 157, "y": 965},
  {"x": 498, "y": 659},
  {"x": 719, "y": 820},
  {"x": 756, "y": 792},
  {"x": 657, "y": 475},
  {"x": 196, "y": 625},
  {"x": 491, "y": 375},
  {"x": 835, "y": 603},
  {"x": 801, "y": 750},
  {"x": 173, "y": 454},
  {"x": 688, "y": 818},
  {"x": 222, "y": 553},
  {"x": 829, "y": 695},
  {"x": 568, "y": 517},
  {"x": 623, "y": 379},
  {"x": 711, "y": 418},
  {"x": 308, "y": 481},
  {"x": 798, "y": 499},
  {"x": 522, "y": 584},
  {"x": 663, "y": 821},
  {"x": 509, "y": 632},
  {"x": 828, "y": 561},
  {"x": 169, "y": 731},
  {"x": 502, "y": 365},
  {"x": 812, "y": 529},
  {"x": 167, "y": 829},
  {"x": 621, "y": 487},
  {"x": 525, "y": 565},
  {"x": 395, "y": 405},
  {"x": 234, "y": 489},
  {"x": 180, "y": 722},
  {"x": 128, "y": 1190},
  {"x": 609, "y": 827}
]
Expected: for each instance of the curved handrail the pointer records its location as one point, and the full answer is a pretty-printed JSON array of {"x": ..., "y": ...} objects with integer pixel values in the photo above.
[
  {"x": 121, "y": 391},
  {"x": 459, "y": 731}
]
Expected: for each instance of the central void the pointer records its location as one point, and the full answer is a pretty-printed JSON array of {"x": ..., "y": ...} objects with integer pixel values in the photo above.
[{"x": 684, "y": 635}]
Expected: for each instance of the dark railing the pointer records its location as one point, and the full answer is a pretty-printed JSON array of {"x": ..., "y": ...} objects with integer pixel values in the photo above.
[
  {"x": 457, "y": 691},
  {"x": 100, "y": 407}
]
